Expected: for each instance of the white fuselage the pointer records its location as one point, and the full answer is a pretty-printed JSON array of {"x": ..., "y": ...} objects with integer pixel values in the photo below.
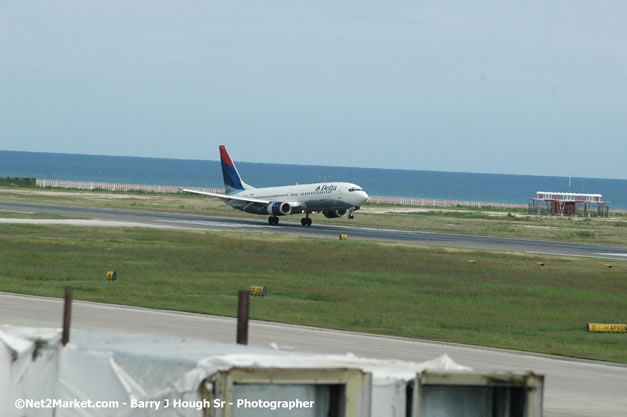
[{"x": 307, "y": 197}]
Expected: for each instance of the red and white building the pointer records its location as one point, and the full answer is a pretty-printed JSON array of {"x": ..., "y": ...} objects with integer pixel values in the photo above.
[{"x": 568, "y": 204}]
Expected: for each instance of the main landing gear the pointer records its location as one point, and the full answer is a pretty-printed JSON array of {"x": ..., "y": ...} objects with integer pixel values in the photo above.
[
  {"x": 306, "y": 221},
  {"x": 273, "y": 221}
]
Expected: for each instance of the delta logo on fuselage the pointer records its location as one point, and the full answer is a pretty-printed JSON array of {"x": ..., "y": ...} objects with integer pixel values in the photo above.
[{"x": 326, "y": 188}]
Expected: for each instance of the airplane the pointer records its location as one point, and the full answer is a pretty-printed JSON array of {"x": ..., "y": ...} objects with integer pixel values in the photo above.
[{"x": 333, "y": 199}]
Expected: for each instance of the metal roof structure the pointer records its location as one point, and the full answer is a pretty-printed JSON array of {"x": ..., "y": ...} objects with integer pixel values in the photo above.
[
  {"x": 568, "y": 204},
  {"x": 133, "y": 375}
]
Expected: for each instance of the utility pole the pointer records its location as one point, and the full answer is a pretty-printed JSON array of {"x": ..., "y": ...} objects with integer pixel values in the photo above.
[{"x": 242, "y": 317}]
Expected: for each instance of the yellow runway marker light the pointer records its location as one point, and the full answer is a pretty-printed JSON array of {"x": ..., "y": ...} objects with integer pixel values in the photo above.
[
  {"x": 258, "y": 290},
  {"x": 112, "y": 276}
]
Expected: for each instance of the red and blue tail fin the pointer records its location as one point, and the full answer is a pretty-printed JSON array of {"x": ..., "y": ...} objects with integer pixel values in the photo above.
[{"x": 232, "y": 180}]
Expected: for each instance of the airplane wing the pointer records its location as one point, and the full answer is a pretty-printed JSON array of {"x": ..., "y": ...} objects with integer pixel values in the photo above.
[
  {"x": 228, "y": 197},
  {"x": 250, "y": 204}
]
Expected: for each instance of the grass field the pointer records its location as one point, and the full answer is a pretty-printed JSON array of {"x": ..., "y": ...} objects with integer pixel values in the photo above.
[
  {"x": 502, "y": 300},
  {"x": 514, "y": 223}
]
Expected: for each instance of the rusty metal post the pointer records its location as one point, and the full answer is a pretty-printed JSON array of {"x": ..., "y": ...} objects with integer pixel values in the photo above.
[
  {"x": 67, "y": 315},
  {"x": 242, "y": 317}
]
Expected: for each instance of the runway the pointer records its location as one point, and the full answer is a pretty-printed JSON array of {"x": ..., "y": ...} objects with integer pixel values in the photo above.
[
  {"x": 572, "y": 387},
  {"x": 185, "y": 221}
]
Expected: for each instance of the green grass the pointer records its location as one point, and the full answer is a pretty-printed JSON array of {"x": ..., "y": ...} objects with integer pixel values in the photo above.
[{"x": 502, "y": 300}]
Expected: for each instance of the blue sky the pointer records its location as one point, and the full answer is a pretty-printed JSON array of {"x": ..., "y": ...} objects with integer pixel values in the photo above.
[{"x": 529, "y": 87}]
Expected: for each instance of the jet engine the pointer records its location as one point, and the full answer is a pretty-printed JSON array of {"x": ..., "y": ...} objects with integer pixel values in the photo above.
[
  {"x": 332, "y": 214},
  {"x": 279, "y": 208}
]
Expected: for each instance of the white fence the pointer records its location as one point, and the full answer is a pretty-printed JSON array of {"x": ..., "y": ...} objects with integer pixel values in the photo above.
[
  {"x": 403, "y": 201},
  {"x": 431, "y": 202},
  {"x": 91, "y": 185}
]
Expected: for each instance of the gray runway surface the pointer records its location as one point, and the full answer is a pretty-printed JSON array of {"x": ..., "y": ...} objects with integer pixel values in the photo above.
[
  {"x": 572, "y": 388},
  {"x": 325, "y": 231}
]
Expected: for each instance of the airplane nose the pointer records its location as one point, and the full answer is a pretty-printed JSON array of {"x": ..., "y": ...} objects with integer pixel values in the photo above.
[{"x": 364, "y": 196}]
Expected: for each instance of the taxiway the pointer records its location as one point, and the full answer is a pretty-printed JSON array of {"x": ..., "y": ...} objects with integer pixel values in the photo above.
[{"x": 572, "y": 387}]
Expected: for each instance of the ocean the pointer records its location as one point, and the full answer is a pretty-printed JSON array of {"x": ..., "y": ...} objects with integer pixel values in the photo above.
[{"x": 501, "y": 188}]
